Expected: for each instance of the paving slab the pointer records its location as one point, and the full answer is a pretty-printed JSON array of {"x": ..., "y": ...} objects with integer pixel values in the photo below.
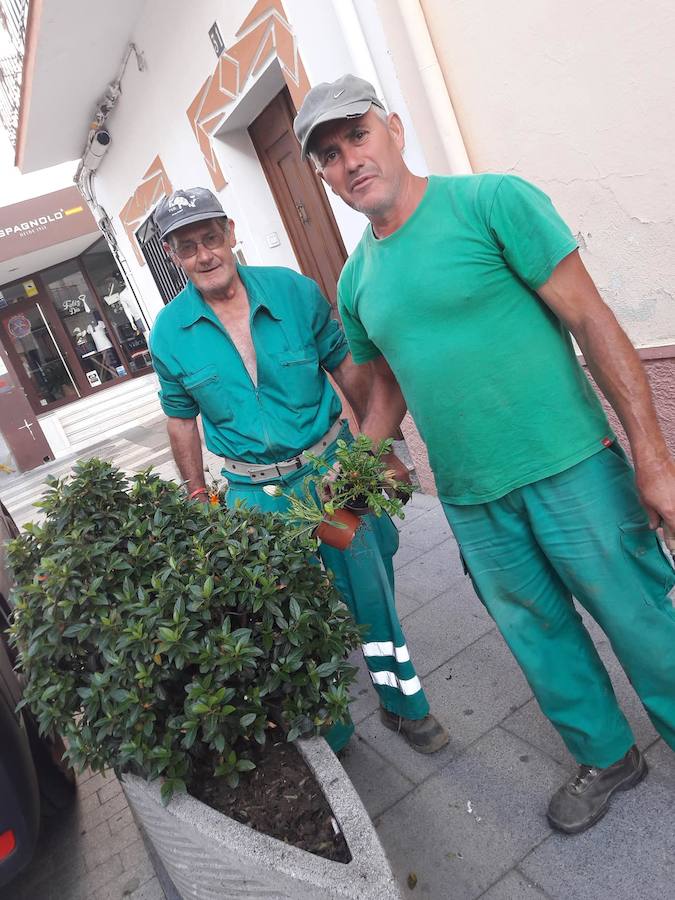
[
  {"x": 378, "y": 784},
  {"x": 405, "y": 605},
  {"x": 472, "y": 821},
  {"x": 662, "y": 758},
  {"x": 362, "y": 692},
  {"x": 432, "y": 573},
  {"x": 418, "y": 504},
  {"x": 514, "y": 886},
  {"x": 395, "y": 751},
  {"x": 442, "y": 627},
  {"x": 469, "y": 695},
  {"x": 428, "y": 530},
  {"x": 407, "y": 552},
  {"x": 628, "y": 855}
]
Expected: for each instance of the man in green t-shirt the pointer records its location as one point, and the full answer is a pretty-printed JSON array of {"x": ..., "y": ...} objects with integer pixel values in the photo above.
[
  {"x": 248, "y": 348},
  {"x": 460, "y": 297}
]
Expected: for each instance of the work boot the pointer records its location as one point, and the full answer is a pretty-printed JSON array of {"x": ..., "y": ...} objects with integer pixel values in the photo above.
[
  {"x": 425, "y": 735},
  {"x": 585, "y": 798}
]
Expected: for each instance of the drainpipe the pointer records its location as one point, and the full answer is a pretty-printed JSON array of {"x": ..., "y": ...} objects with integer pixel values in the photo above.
[{"x": 434, "y": 86}]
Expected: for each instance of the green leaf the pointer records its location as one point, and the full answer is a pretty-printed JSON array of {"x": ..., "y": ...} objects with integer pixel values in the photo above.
[
  {"x": 294, "y": 608},
  {"x": 326, "y": 669},
  {"x": 167, "y": 634}
]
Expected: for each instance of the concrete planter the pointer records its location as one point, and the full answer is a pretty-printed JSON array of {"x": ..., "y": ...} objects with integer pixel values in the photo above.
[{"x": 209, "y": 855}]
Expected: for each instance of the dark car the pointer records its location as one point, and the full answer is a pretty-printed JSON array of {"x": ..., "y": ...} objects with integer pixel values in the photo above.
[{"x": 33, "y": 780}]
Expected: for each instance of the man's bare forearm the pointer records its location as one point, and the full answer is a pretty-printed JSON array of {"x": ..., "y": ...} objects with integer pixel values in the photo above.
[
  {"x": 186, "y": 447},
  {"x": 386, "y": 404},
  {"x": 616, "y": 367},
  {"x": 354, "y": 382}
]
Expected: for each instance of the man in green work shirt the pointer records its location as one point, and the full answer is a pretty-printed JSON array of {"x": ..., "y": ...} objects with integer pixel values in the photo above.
[
  {"x": 461, "y": 297},
  {"x": 248, "y": 348}
]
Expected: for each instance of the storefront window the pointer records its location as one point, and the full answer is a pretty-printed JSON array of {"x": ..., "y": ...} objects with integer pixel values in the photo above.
[
  {"x": 121, "y": 306},
  {"x": 81, "y": 316}
]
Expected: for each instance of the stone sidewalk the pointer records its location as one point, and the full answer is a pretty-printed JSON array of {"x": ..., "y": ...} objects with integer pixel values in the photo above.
[
  {"x": 92, "y": 852},
  {"x": 467, "y": 822}
]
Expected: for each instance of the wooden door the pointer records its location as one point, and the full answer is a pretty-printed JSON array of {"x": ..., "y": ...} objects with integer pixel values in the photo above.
[
  {"x": 20, "y": 427},
  {"x": 299, "y": 195}
]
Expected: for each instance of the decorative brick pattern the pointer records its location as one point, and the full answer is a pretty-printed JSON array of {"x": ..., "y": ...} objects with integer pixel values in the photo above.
[
  {"x": 154, "y": 185},
  {"x": 264, "y": 34}
]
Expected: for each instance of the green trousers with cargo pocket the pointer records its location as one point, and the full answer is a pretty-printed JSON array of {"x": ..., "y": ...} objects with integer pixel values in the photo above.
[
  {"x": 364, "y": 575},
  {"x": 581, "y": 533}
]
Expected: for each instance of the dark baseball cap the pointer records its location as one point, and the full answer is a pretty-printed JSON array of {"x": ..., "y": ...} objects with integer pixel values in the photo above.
[
  {"x": 185, "y": 208},
  {"x": 348, "y": 97}
]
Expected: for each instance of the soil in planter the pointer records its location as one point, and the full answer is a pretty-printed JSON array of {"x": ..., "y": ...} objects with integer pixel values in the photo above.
[{"x": 280, "y": 798}]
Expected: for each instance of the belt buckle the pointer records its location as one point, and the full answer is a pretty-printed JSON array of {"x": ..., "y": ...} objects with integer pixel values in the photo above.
[{"x": 294, "y": 461}]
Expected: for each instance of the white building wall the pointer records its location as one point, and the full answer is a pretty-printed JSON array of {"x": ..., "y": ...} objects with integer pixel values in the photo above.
[
  {"x": 579, "y": 100},
  {"x": 150, "y": 118}
]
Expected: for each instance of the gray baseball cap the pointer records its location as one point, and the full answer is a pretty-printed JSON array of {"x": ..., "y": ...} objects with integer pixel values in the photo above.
[
  {"x": 347, "y": 97},
  {"x": 185, "y": 208}
]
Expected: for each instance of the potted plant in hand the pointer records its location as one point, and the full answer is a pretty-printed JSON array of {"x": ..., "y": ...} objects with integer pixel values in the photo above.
[
  {"x": 354, "y": 482},
  {"x": 363, "y": 483},
  {"x": 187, "y": 644}
]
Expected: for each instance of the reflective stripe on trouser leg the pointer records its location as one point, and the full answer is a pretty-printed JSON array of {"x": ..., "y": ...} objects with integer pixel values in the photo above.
[{"x": 364, "y": 574}]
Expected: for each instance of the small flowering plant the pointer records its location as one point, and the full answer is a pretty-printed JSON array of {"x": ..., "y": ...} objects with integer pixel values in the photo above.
[
  {"x": 362, "y": 482},
  {"x": 357, "y": 479}
]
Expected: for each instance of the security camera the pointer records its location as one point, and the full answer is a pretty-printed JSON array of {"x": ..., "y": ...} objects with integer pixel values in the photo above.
[{"x": 97, "y": 149}]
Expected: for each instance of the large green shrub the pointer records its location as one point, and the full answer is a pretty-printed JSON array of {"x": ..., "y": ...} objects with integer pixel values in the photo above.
[{"x": 155, "y": 632}]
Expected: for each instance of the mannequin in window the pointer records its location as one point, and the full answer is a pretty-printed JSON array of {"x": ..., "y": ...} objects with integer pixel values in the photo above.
[{"x": 99, "y": 334}]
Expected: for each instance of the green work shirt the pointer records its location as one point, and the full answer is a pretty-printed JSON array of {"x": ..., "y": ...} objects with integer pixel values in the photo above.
[
  {"x": 200, "y": 369},
  {"x": 488, "y": 371}
]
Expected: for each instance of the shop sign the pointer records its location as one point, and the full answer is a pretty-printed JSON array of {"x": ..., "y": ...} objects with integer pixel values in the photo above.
[
  {"x": 93, "y": 378},
  {"x": 38, "y": 224},
  {"x": 42, "y": 222}
]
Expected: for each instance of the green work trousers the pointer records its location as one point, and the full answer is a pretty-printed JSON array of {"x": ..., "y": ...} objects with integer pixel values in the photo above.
[
  {"x": 364, "y": 575},
  {"x": 581, "y": 533}
]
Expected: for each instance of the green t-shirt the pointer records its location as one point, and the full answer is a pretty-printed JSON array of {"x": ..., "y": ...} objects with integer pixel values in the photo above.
[{"x": 487, "y": 370}]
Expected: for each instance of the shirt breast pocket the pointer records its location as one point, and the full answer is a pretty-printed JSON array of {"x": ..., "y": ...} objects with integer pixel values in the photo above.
[
  {"x": 301, "y": 376},
  {"x": 206, "y": 388}
]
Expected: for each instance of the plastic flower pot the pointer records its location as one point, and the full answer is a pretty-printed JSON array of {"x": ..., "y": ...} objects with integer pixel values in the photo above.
[
  {"x": 338, "y": 536},
  {"x": 358, "y": 506}
]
